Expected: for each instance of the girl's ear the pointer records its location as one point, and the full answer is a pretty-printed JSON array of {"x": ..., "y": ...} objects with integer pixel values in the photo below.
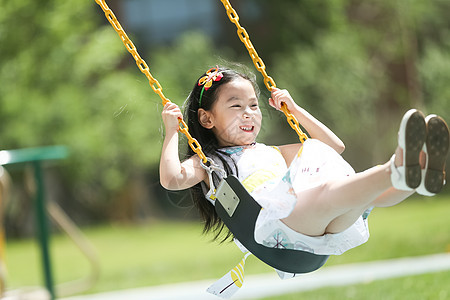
[{"x": 205, "y": 118}]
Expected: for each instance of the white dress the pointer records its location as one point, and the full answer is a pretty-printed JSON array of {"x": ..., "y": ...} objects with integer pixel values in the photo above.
[{"x": 263, "y": 172}]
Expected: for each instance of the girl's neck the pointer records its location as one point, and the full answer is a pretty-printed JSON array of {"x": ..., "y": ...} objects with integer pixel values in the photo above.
[{"x": 240, "y": 146}]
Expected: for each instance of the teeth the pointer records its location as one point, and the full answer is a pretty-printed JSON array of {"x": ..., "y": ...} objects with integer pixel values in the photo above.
[{"x": 247, "y": 128}]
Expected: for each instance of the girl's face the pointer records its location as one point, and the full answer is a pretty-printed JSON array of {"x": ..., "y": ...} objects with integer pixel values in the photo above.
[{"x": 235, "y": 117}]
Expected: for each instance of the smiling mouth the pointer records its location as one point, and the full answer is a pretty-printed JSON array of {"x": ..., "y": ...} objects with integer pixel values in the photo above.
[{"x": 247, "y": 128}]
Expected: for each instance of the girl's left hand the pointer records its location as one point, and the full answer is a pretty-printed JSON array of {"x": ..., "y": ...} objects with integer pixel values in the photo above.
[
  {"x": 171, "y": 115},
  {"x": 281, "y": 96}
]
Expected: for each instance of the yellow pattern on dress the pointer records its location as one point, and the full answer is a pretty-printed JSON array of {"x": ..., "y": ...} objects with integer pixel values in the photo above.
[{"x": 257, "y": 179}]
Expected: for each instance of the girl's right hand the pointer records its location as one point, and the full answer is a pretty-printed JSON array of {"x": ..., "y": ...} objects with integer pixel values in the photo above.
[
  {"x": 282, "y": 96},
  {"x": 171, "y": 115}
]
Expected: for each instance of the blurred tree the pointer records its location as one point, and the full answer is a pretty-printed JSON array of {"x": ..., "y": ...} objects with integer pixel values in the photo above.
[
  {"x": 67, "y": 79},
  {"x": 64, "y": 82},
  {"x": 363, "y": 64}
]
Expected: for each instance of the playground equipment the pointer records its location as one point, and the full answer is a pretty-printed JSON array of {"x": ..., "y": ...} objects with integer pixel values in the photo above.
[
  {"x": 35, "y": 157},
  {"x": 233, "y": 201}
]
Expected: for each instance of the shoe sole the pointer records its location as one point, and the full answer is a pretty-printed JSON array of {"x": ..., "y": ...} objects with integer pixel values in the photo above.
[
  {"x": 437, "y": 145},
  {"x": 415, "y": 136}
]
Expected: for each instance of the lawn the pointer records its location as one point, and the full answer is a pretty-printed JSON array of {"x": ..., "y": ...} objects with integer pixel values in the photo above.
[
  {"x": 433, "y": 286},
  {"x": 160, "y": 252}
]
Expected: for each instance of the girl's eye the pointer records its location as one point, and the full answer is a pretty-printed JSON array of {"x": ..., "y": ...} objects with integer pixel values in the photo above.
[{"x": 236, "y": 106}]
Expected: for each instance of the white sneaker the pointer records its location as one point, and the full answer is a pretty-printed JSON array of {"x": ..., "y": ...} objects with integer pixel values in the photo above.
[
  {"x": 411, "y": 138},
  {"x": 436, "y": 149}
]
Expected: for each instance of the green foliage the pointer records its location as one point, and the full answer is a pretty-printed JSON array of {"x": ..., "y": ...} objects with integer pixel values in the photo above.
[
  {"x": 434, "y": 69},
  {"x": 62, "y": 83},
  {"x": 371, "y": 61},
  {"x": 66, "y": 78},
  {"x": 332, "y": 81},
  {"x": 290, "y": 22}
]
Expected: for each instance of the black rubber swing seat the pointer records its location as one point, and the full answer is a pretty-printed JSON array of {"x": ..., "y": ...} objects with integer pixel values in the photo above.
[{"x": 239, "y": 211}]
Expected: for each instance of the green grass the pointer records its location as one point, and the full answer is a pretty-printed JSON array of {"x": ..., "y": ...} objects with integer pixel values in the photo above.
[
  {"x": 166, "y": 252},
  {"x": 429, "y": 286}
]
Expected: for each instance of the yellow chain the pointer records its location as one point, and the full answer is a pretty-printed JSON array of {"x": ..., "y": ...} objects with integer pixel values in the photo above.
[
  {"x": 143, "y": 67},
  {"x": 259, "y": 64}
]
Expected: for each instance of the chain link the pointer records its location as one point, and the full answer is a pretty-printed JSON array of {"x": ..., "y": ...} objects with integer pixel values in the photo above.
[
  {"x": 259, "y": 64},
  {"x": 143, "y": 67}
]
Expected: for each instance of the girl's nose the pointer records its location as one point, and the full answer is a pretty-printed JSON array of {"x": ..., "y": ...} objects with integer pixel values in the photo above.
[{"x": 248, "y": 113}]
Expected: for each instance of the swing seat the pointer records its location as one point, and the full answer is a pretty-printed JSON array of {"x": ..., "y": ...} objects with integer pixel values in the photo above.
[{"x": 239, "y": 211}]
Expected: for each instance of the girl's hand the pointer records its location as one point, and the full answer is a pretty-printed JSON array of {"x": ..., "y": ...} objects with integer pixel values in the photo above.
[
  {"x": 171, "y": 114},
  {"x": 282, "y": 96}
]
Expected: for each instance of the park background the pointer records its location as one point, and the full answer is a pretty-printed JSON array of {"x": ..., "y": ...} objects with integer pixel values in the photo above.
[{"x": 66, "y": 79}]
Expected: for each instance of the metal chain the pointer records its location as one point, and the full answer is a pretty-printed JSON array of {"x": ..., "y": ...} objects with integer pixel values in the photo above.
[
  {"x": 259, "y": 64},
  {"x": 143, "y": 67}
]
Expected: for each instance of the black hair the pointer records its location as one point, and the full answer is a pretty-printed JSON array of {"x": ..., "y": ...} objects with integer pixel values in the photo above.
[{"x": 209, "y": 142}]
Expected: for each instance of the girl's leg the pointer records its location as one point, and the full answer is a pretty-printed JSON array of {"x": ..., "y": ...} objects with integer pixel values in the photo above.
[
  {"x": 337, "y": 204},
  {"x": 437, "y": 138},
  {"x": 347, "y": 198},
  {"x": 390, "y": 197}
]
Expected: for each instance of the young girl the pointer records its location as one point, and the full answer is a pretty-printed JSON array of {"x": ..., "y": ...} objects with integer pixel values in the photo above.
[{"x": 312, "y": 199}]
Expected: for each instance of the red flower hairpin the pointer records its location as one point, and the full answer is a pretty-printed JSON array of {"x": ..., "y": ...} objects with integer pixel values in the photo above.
[{"x": 212, "y": 75}]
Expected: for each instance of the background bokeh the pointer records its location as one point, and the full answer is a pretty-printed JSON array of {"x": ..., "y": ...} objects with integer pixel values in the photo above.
[{"x": 66, "y": 79}]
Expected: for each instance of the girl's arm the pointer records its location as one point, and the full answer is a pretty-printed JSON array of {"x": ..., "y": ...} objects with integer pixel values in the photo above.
[
  {"x": 315, "y": 128},
  {"x": 173, "y": 174}
]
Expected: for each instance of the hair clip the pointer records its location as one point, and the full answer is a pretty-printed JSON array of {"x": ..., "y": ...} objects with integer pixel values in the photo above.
[{"x": 212, "y": 75}]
